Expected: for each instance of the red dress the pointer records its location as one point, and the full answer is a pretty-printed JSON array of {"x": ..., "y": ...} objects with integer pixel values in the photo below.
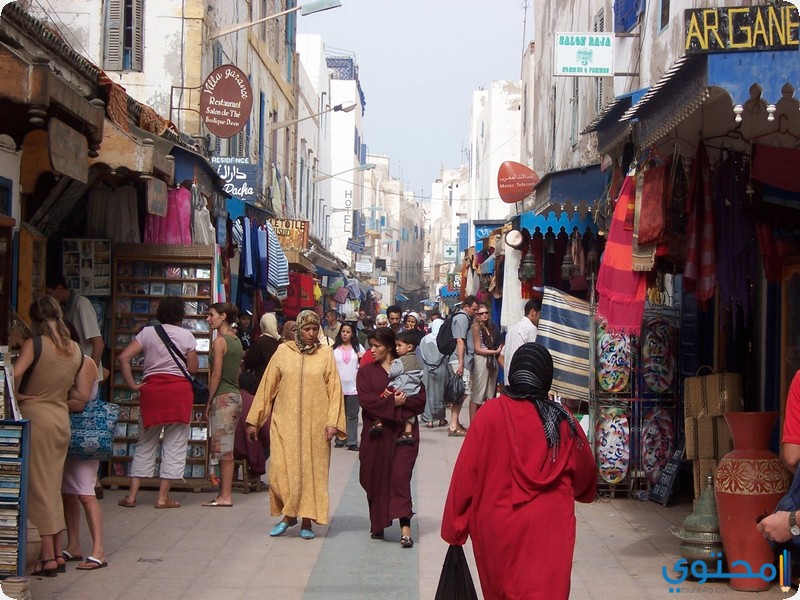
[
  {"x": 386, "y": 468},
  {"x": 521, "y": 519}
]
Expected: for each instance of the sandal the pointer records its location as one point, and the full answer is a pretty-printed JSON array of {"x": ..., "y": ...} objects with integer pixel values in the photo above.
[
  {"x": 407, "y": 439},
  {"x": 127, "y": 503},
  {"x": 45, "y": 572},
  {"x": 442, "y": 422},
  {"x": 92, "y": 564},
  {"x": 376, "y": 429},
  {"x": 456, "y": 433},
  {"x": 169, "y": 503},
  {"x": 406, "y": 541},
  {"x": 376, "y": 535}
]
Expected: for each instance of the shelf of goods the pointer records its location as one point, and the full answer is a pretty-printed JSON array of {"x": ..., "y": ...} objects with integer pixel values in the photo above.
[
  {"x": 14, "y": 452},
  {"x": 144, "y": 274}
]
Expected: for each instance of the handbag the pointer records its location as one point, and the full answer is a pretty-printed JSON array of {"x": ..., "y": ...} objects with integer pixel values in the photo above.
[
  {"x": 455, "y": 582},
  {"x": 92, "y": 431},
  {"x": 199, "y": 389}
]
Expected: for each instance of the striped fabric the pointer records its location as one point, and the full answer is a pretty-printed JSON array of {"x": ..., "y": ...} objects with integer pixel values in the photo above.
[
  {"x": 564, "y": 331},
  {"x": 277, "y": 265},
  {"x": 700, "y": 270}
]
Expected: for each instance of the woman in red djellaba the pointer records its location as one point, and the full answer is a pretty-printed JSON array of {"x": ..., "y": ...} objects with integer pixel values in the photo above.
[{"x": 521, "y": 519}]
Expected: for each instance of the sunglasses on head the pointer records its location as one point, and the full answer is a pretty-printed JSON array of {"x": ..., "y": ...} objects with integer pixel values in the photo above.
[{"x": 483, "y": 313}]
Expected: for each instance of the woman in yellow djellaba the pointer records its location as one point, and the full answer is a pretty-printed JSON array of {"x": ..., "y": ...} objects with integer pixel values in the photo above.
[{"x": 302, "y": 392}]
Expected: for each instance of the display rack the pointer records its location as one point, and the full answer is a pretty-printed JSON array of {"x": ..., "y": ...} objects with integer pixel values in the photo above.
[
  {"x": 14, "y": 456},
  {"x": 143, "y": 275}
]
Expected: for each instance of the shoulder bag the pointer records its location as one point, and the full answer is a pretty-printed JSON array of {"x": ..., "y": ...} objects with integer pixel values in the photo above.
[
  {"x": 92, "y": 431},
  {"x": 199, "y": 389}
]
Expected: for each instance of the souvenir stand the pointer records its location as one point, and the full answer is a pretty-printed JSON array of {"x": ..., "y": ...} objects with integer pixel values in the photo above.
[{"x": 143, "y": 275}]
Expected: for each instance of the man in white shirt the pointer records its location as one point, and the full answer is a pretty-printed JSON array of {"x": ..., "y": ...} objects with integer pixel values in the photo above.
[
  {"x": 521, "y": 332},
  {"x": 79, "y": 311}
]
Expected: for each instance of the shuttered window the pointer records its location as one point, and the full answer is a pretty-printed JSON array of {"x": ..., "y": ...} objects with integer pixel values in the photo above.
[
  {"x": 599, "y": 100},
  {"x": 124, "y": 35}
]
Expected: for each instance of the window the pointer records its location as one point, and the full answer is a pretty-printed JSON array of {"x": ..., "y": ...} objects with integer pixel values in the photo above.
[
  {"x": 124, "y": 46},
  {"x": 664, "y": 14},
  {"x": 599, "y": 27},
  {"x": 262, "y": 118},
  {"x": 626, "y": 14}
]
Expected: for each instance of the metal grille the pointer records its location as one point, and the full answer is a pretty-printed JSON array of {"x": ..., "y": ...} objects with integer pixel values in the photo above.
[{"x": 343, "y": 67}]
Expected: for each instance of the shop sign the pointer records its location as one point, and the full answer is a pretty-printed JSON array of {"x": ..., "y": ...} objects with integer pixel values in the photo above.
[
  {"x": 515, "y": 181},
  {"x": 453, "y": 282},
  {"x": 584, "y": 55},
  {"x": 226, "y": 99},
  {"x": 157, "y": 197},
  {"x": 293, "y": 234},
  {"x": 737, "y": 28},
  {"x": 355, "y": 246},
  {"x": 449, "y": 251},
  {"x": 241, "y": 176},
  {"x": 364, "y": 266},
  {"x": 383, "y": 280},
  {"x": 69, "y": 150}
]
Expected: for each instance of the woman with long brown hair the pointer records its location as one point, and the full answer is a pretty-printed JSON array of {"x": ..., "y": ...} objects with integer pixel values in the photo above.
[{"x": 44, "y": 401}]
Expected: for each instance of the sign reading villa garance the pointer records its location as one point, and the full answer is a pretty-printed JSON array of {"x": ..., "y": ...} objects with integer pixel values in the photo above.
[
  {"x": 225, "y": 101},
  {"x": 583, "y": 55}
]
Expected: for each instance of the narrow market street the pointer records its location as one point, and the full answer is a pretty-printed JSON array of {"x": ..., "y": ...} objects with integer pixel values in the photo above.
[{"x": 197, "y": 553}]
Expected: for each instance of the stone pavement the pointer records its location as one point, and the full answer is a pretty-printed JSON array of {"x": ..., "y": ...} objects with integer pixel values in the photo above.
[{"x": 198, "y": 553}]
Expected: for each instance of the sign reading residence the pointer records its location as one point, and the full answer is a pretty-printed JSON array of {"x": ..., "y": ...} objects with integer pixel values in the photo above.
[
  {"x": 293, "y": 234},
  {"x": 226, "y": 99},
  {"x": 584, "y": 55},
  {"x": 241, "y": 176},
  {"x": 738, "y": 28}
]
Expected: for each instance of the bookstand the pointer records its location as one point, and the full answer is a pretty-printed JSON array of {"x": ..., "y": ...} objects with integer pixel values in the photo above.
[
  {"x": 143, "y": 275},
  {"x": 14, "y": 457}
]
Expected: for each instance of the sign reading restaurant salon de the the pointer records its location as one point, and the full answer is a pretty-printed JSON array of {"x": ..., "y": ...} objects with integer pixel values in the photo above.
[
  {"x": 226, "y": 99},
  {"x": 583, "y": 55}
]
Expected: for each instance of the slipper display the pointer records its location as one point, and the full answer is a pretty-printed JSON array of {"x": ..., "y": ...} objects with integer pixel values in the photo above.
[
  {"x": 127, "y": 503},
  {"x": 215, "y": 504},
  {"x": 69, "y": 557},
  {"x": 169, "y": 504},
  {"x": 91, "y": 563}
]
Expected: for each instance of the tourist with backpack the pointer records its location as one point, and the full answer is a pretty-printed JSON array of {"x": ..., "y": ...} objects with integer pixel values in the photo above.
[{"x": 454, "y": 340}]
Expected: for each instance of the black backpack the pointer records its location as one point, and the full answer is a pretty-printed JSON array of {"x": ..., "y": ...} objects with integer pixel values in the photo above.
[{"x": 445, "y": 341}]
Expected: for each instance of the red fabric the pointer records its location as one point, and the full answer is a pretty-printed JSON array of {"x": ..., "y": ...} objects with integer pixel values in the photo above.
[
  {"x": 300, "y": 294},
  {"x": 176, "y": 227},
  {"x": 520, "y": 518},
  {"x": 621, "y": 290},
  {"x": 165, "y": 399},
  {"x": 791, "y": 420},
  {"x": 652, "y": 220},
  {"x": 256, "y": 453},
  {"x": 386, "y": 468},
  {"x": 699, "y": 272},
  {"x": 769, "y": 166},
  {"x": 367, "y": 359}
]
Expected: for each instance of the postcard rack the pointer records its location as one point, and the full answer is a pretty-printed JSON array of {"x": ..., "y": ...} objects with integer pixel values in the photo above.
[{"x": 144, "y": 274}]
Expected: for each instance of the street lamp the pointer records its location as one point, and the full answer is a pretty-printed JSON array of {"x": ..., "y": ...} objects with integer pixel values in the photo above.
[
  {"x": 309, "y": 8},
  {"x": 338, "y": 108},
  {"x": 364, "y": 167}
]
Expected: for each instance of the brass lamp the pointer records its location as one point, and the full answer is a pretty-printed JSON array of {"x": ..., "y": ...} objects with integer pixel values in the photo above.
[
  {"x": 567, "y": 266},
  {"x": 527, "y": 267}
]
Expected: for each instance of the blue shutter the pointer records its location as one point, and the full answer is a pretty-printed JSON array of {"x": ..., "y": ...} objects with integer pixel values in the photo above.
[
  {"x": 463, "y": 237},
  {"x": 626, "y": 13}
]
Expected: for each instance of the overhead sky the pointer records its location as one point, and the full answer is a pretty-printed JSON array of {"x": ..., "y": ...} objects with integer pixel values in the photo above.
[{"x": 419, "y": 62}]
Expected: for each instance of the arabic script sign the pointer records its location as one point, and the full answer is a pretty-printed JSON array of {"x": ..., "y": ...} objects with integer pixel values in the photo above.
[
  {"x": 242, "y": 178},
  {"x": 515, "y": 181},
  {"x": 226, "y": 99}
]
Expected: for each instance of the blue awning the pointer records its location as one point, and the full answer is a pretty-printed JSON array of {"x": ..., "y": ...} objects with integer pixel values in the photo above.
[
  {"x": 610, "y": 130},
  {"x": 582, "y": 184},
  {"x": 401, "y": 297},
  {"x": 445, "y": 293}
]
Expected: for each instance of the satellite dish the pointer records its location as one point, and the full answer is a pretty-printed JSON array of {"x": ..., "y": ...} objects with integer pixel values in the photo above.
[{"x": 515, "y": 181}]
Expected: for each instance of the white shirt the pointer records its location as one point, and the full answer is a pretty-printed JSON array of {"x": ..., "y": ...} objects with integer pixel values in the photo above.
[
  {"x": 347, "y": 370},
  {"x": 521, "y": 332}
]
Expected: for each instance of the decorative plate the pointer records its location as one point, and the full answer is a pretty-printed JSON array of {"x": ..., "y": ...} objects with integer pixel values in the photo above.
[
  {"x": 658, "y": 436},
  {"x": 613, "y": 361},
  {"x": 658, "y": 360},
  {"x": 612, "y": 444}
]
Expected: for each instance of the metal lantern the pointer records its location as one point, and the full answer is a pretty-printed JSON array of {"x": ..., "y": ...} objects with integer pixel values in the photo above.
[
  {"x": 567, "y": 266},
  {"x": 592, "y": 262},
  {"x": 527, "y": 267}
]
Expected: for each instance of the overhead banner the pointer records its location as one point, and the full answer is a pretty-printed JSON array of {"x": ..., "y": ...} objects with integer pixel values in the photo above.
[
  {"x": 241, "y": 176},
  {"x": 584, "y": 55}
]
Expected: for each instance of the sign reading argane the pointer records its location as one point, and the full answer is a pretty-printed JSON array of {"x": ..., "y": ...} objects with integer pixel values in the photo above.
[
  {"x": 736, "y": 28},
  {"x": 225, "y": 101}
]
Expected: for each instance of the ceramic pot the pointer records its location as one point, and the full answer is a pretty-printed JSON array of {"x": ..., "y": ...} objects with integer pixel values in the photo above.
[{"x": 749, "y": 483}]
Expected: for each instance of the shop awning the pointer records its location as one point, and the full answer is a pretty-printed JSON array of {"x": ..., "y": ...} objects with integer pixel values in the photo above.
[
  {"x": 610, "y": 130},
  {"x": 444, "y": 292},
  {"x": 570, "y": 186},
  {"x": 401, "y": 297}
]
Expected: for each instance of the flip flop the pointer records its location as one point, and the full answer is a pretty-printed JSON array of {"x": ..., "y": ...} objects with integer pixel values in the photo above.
[
  {"x": 215, "y": 504},
  {"x": 69, "y": 557},
  {"x": 127, "y": 503},
  {"x": 169, "y": 504},
  {"x": 92, "y": 564}
]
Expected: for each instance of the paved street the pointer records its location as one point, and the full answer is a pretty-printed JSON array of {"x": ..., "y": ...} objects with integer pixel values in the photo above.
[{"x": 197, "y": 553}]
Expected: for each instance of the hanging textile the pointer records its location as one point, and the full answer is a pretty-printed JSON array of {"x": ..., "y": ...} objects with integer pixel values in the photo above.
[
  {"x": 113, "y": 214},
  {"x": 300, "y": 294},
  {"x": 564, "y": 331},
  {"x": 652, "y": 207},
  {"x": 353, "y": 289},
  {"x": 263, "y": 260},
  {"x": 245, "y": 257},
  {"x": 699, "y": 272},
  {"x": 278, "y": 265},
  {"x": 621, "y": 290},
  {"x": 514, "y": 306},
  {"x": 643, "y": 255},
  {"x": 202, "y": 230},
  {"x": 289, "y": 208},
  {"x": 176, "y": 227}
]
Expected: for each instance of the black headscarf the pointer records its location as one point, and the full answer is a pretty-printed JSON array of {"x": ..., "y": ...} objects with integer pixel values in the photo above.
[{"x": 529, "y": 378}]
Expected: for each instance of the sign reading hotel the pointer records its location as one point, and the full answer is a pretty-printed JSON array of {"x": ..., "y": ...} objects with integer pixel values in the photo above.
[
  {"x": 225, "y": 101},
  {"x": 737, "y": 28},
  {"x": 583, "y": 55},
  {"x": 293, "y": 234}
]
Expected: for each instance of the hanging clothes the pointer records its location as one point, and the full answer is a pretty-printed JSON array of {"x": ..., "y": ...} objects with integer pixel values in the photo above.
[
  {"x": 263, "y": 266},
  {"x": 176, "y": 227},
  {"x": 278, "y": 265},
  {"x": 113, "y": 214},
  {"x": 700, "y": 271}
]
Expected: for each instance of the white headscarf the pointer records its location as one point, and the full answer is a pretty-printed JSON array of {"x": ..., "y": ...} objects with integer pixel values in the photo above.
[{"x": 269, "y": 325}]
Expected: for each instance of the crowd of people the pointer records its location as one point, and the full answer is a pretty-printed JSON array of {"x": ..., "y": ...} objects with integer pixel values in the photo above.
[{"x": 288, "y": 390}]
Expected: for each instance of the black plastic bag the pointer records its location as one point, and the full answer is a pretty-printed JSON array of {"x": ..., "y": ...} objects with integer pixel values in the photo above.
[
  {"x": 455, "y": 582},
  {"x": 454, "y": 389}
]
